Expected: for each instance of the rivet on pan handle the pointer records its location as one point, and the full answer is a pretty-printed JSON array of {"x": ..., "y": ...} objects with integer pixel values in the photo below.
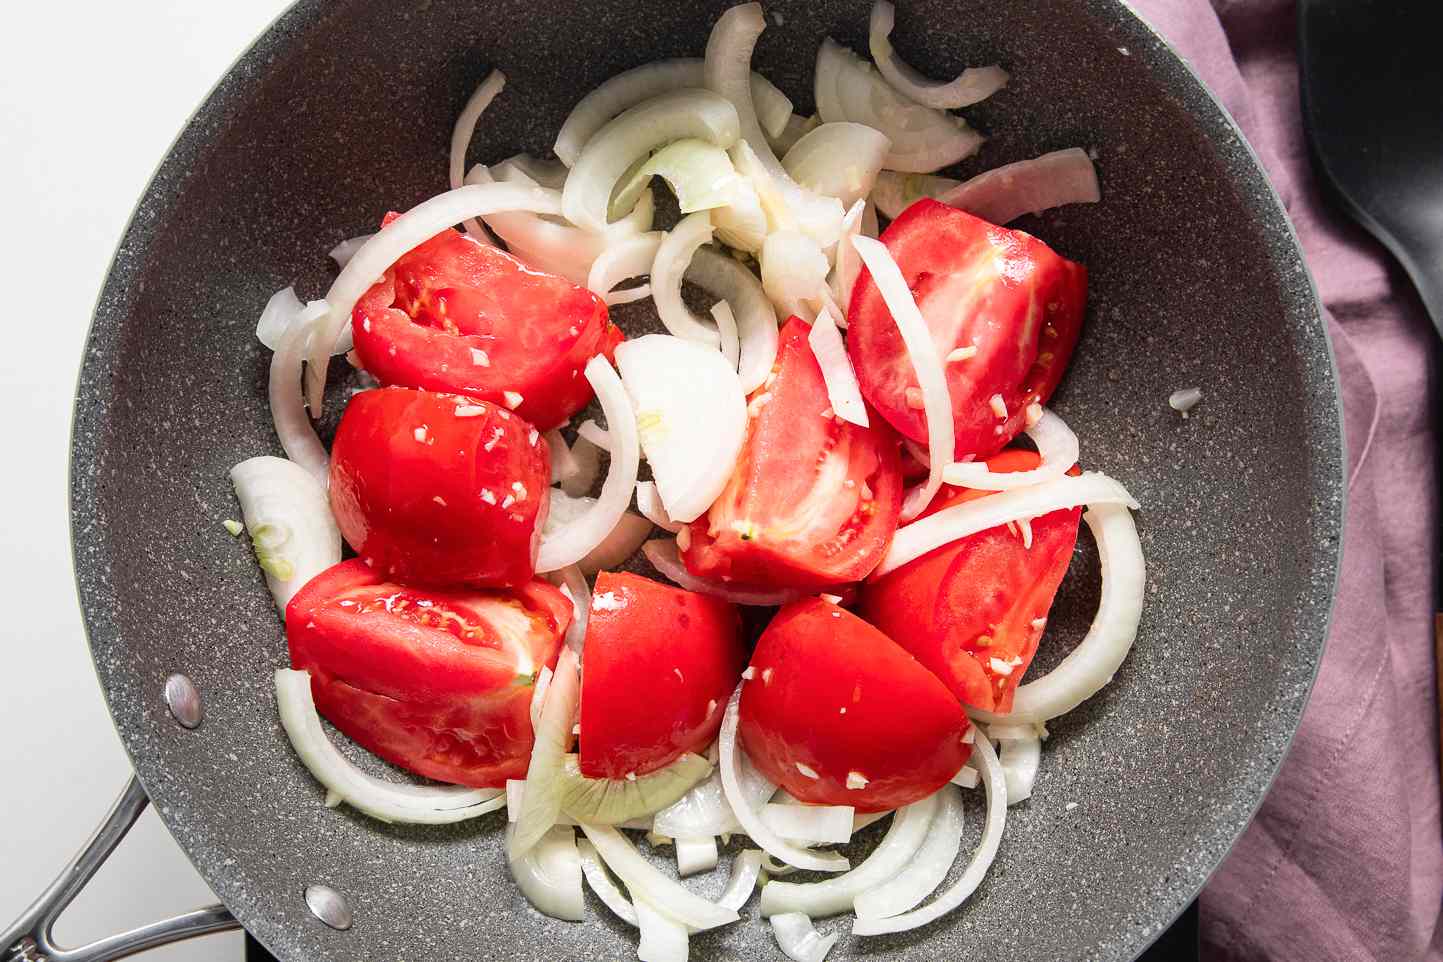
[{"x": 29, "y": 937}]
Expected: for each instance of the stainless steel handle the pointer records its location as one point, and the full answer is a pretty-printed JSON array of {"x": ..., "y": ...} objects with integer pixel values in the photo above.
[{"x": 29, "y": 938}]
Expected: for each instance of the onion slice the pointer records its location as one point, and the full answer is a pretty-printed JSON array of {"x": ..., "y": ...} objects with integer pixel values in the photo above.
[
  {"x": 838, "y": 160},
  {"x": 746, "y": 870},
  {"x": 277, "y": 317},
  {"x": 544, "y": 173},
  {"x": 847, "y": 264},
  {"x": 600, "y": 882},
  {"x": 1056, "y": 444},
  {"x": 700, "y": 174},
  {"x": 666, "y": 558},
  {"x": 631, "y": 257},
  {"x": 648, "y": 502},
  {"x": 1003, "y": 194},
  {"x": 810, "y": 824},
  {"x": 922, "y": 350},
  {"x": 346, "y": 249},
  {"x": 697, "y": 854},
  {"x": 841, "y": 379},
  {"x": 541, "y": 798},
  {"x": 662, "y": 938},
  {"x": 285, "y": 393},
  {"x": 563, "y": 465},
  {"x": 973, "y": 85},
  {"x": 721, "y": 276},
  {"x": 799, "y": 940},
  {"x": 927, "y": 869},
  {"x": 288, "y": 516},
  {"x": 794, "y": 272},
  {"x": 894, "y": 192},
  {"x": 645, "y": 881},
  {"x": 549, "y": 874},
  {"x": 462, "y": 134},
  {"x": 1020, "y": 758},
  {"x": 726, "y": 325},
  {"x": 573, "y": 584},
  {"x": 673, "y": 255},
  {"x": 705, "y": 811}
]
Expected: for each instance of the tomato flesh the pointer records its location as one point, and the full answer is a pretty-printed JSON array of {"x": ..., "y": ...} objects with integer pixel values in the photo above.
[
  {"x": 661, "y": 663},
  {"x": 437, "y": 682},
  {"x": 832, "y": 699},
  {"x": 457, "y": 316},
  {"x": 813, "y": 501},
  {"x": 1001, "y": 292},
  {"x": 974, "y": 610},
  {"x": 440, "y": 489}
]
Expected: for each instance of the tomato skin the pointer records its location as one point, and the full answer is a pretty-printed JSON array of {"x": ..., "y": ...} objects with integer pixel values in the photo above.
[
  {"x": 420, "y": 323},
  {"x": 959, "y": 606},
  {"x": 430, "y": 496},
  {"x": 833, "y": 693},
  {"x": 438, "y": 682},
  {"x": 999, "y": 290},
  {"x": 795, "y": 513},
  {"x": 660, "y": 664}
]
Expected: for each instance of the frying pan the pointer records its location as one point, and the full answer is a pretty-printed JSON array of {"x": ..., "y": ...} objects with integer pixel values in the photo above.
[{"x": 343, "y": 110}]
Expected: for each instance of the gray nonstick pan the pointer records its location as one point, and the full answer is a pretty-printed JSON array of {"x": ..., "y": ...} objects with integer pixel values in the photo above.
[{"x": 343, "y": 110}]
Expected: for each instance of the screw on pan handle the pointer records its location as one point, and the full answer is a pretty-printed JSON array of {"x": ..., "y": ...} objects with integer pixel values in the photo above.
[{"x": 29, "y": 938}]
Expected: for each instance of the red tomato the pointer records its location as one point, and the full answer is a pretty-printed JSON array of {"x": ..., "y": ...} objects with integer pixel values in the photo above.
[
  {"x": 660, "y": 665},
  {"x": 438, "y": 682},
  {"x": 456, "y": 315},
  {"x": 834, "y": 700},
  {"x": 813, "y": 501},
  {"x": 978, "y": 285},
  {"x": 440, "y": 489},
  {"x": 973, "y": 611}
]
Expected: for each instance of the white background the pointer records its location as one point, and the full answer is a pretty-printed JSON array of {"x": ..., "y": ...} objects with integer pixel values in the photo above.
[{"x": 91, "y": 95}]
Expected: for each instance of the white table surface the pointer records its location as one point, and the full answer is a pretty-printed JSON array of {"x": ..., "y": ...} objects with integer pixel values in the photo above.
[{"x": 91, "y": 96}]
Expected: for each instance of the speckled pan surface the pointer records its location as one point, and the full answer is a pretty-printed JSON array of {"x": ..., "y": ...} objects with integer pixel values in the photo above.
[{"x": 343, "y": 110}]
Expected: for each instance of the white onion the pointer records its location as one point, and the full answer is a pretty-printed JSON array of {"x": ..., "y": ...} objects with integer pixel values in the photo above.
[
  {"x": 862, "y": 819},
  {"x": 665, "y": 558},
  {"x": 691, "y": 415},
  {"x": 927, "y": 869},
  {"x": 723, "y": 277},
  {"x": 1184, "y": 400},
  {"x": 380, "y": 799},
  {"x": 465, "y": 130},
  {"x": 792, "y": 131},
  {"x": 973, "y": 85},
  {"x": 545, "y": 173},
  {"x": 696, "y": 854},
  {"x": 838, "y": 160},
  {"x": 743, "y": 223},
  {"x": 841, "y": 380},
  {"x": 596, "y": 876},
  {"x": 573, "y": 582},
  {"x": 377, "y": 255},
  {"x": 1056, "y": 444},
  {"x": 346, "y": 249},
  {"x": 705, "y": 811},
  {"x": 588, "y": 462},
  {"x": 594, "y": 434},
  {"x": 582, "y": 536},
  {"x": 285, "y": 393},
  {"x": 515, "y": 788},
  {"x": 288, "y": 517},
  {"x": 623, "y": 259},
  {"x": 673, "y": 255},
  {"x": 726, "y": 326},
  {"x": 847, "y": 264},
  {"x": 894, "y": 192},
  {"x": 794, "y": 272},
  {"x": 662, "y": 938},
  {"x": 563, "y": 465},
  {"x": 1091, "y": 665},
  {"x": 277, "y": 317},
  {"x": 746, "y": 869},
  {"x": 926, "y": 364},
  {"x": 1020, "y": 758},
  {"x": 700, "y": 174},
  {"x": 896, "y": 850},
  {"x": 810, "y": 824},
  {"x": 966, "y": 777},
  {"x": 977, "y": 868},
  {"x": 645, "y": 881},
  {"x": 1005, "y": 193},
  {"x": 541, "y": 798},
  {"x": 799, "y": 940},
  {"x": 961, "y": 520},
  {"x": 648, "y": 502},
  {"x": 923, "y": 139},
  {"x": 549, "y": 874},
  {"x": 538, "y": 698},
  {"x": 748, "y": 816}
]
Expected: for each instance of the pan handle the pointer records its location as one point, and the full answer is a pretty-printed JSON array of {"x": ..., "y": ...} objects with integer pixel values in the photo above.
[{"x": 29, "y": 938}]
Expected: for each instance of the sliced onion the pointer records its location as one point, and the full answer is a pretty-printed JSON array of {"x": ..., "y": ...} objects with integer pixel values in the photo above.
[
  {"x": 665, "y": 558},
  {"x": 749, "y": 817},
  {"x": 838, "y": 160},
  {"x": 794, "y": 272},
  {"x": 1056, "y": 444},
  {"x": 695, "y": 855},
  {"x": 465, "y": 130},
  {"x": 346, "y": 249},
  {"x": 926, "y": 364},
  {"x": 895, "y": 192},
  {"x": 1091, "y": 488},
  {"x": 594, "y": 434},
  {"x": 648, "y": 502},
  {"x": 842, "y": 389},
  {"x": 380, "y": 799},
  {"x": 810, "y": 824},
  {"x": 582, "y": 536},
  {"x": 848, "y": 265},
  {"x": 746, "y": 870},
  {"x": 645, "y": 881},
  {"x": 966, "y": 777},
  {"x": 600, "y": 881},
  {"x": 545, "y": 173},
  {"x": 549, "y": 874},
  {"x": 1020, "y": 758},
  {"x": 705, "y": 811},
  {"x": 538, "y": 698},
  {"x": 1005, "y": 193},
  {"x": 662, "y": 938},
  {"x": 541, "y": 798},
  {"x": 726, "y": 325},
  {"x": 923, "y": 139},
  {"x": 277, "y": 317},
  {"x": 286, "y": 395},
  {"x": 691, "y": 415},
  {"x": 377, "y": 255},
  {"x": 563, "y": 465},
  {"x": 982, "y": 858},
  {"x": 700, "y": 174},
  {"x": 799, "y": 940},
  {"x": 862, "y": 819},
  {"x": 723, "y": 277},
  {"x": 1091, "y": 665},
  {"x": 607, "y": 801},
  {"x": 588, "y": 461},
  {"x": 792, "y": 131},
  {"x": 631, "y": 257},
  {"x": 673, "y": 255},
  {"x": 288, "y": 516},
  {"x": 573, "y": 583},
  {"x": 927, "y": 869},
  {"x": 973, "y": 85}
]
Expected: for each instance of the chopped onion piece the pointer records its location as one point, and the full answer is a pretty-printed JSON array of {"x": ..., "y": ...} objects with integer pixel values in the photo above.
[
  {"x": 810, "y": 824},
  {"x": 847, "y": 264},
  {"x": 464, "y": 131},
  {"x": 542, "y": 794},
  {"x": 605, "y": 801},
  {"x": 895, "y": 192},
  {"x": 743, "y": 223},
  {"x": 645, "y": 881},
  {"x": 1020, "y": 758},
  {"x": 563, "y": 465},
  {"x": 515, "y": 788},
  {"x": 1056, "y": 444},
  {"x": 1005, "y": 193},
  {"x": 573, "y": 583},
  {"x": 662, "y": 938},
  {"x": 600, "y": 881},
  {"x": 966, "y": 777},
  {"x": 794, "y": 272},
  {"x": 581, "y": 537},
  {"x": 916, "y": 539},
  {"x": 1091, "y": 665},
  {"x": 973, "y": 85},
  {"x": 286, "y": 395},
  {"x": 838, "y": 160},
  {"x": 750, "y": 818},
  {"x": 648, "y": 502},
  {"x": 380, "y": 799},
  {"x": 595, "y": 434},
  {"x": 277, "y": 317},
  {"x": 631, "y": 257},
  {"x": 726, "y": 325},
  {"x": 798, "y": 939},
  {"x": 926, "y": 364},
  {"x": 792, "y": 131},
  {"x": 538, "y": 698},
  {"x": 982, "y": 858},
  {"x": 927, "y": 869},
  {"x": 673, "y": 255},
  {"x": 841, "y": 380},
  {"x": 700, "y": 174},
  {"x": 665, "y": 558},
  {"x": 695, "y": 854},
  {"x": 549, "y": 873},
  {"x": 1184, "y": 400},
  {"x": 746, "y": 870},
  {"x": 896, "y": 850},
  {"x": 705, "y": 811},
  {"x": 346, "y": 249},
  {"x": 543, "y": 173},
  {"x": 288, "y": 516},
  {"x": 721, "y": 276},
  {"x": 588, "y": 460}
]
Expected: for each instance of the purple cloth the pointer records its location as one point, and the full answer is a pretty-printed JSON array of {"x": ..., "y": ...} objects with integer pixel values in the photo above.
[{"x": 1345, "y": 859}]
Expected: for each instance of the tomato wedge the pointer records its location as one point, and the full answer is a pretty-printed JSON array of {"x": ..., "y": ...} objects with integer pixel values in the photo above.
[
  {"x": 813, "y": 501},
  {"x": 1001, "y": 292},
  {"x": 438, "y": 682},
  {"x": 440, "y": 489},
  {"x": 456, "y": 315},
  {"x": 661, "y": 663},
  {"x": 973, "y": 611},
  {"x": 838, "y": 714}
]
